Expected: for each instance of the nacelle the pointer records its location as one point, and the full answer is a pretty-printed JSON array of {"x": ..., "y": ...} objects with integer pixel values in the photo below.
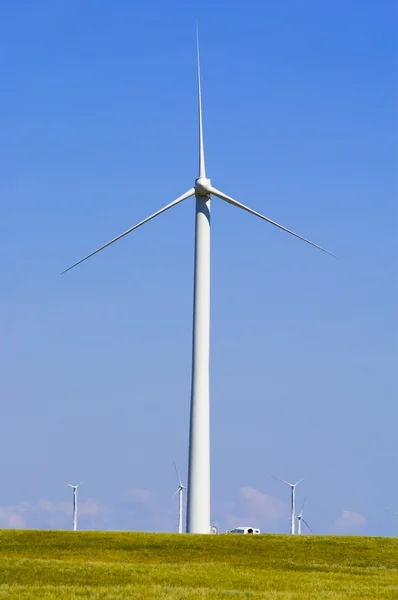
[{"x": 245, "y": 530}]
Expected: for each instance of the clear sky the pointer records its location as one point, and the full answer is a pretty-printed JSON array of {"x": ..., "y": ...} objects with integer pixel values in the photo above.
[{"x": 98, "y": 119}]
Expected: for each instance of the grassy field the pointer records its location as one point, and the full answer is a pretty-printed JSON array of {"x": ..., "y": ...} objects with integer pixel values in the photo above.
[{"x": 117, "y": 566}]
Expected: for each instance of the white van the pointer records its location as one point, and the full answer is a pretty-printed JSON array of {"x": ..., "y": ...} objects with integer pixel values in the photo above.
[{"x": 245, "y": 530}]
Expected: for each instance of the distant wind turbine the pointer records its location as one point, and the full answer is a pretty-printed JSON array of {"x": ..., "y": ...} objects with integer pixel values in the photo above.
[
  {"x": 301, "y": 518},
  {"x": 293, "y": 502},
  {"x": 179, "y": 491},
  {"x": 75, "y": 488},
  {"x": 393, "y": 512},
  {"x": 198, "y": 504}
]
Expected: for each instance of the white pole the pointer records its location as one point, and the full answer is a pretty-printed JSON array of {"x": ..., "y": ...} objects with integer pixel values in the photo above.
[
  {"x": 198, "y": 504},
  {"x": 299, "y": 525},
  {"x": 180, "y": 510},
  {"x": 74, "y": 508},
  {"x": 292, "y": 528}
]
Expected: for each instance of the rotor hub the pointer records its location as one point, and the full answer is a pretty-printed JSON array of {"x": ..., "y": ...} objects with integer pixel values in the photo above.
[{"x": 202, "y": 186}]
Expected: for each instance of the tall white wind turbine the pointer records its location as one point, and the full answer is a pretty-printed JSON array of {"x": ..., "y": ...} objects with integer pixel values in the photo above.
[
  {"x": 75, "y": 488},
  {"x": 301, "y": 518},
  {"x": 293, "y": 502},
  {"x": 198, "y": 504},
  {"x": 179, "y": 491}
]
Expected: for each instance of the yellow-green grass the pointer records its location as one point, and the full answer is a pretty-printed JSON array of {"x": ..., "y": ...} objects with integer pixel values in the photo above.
[{"x": 108, "y": 565}]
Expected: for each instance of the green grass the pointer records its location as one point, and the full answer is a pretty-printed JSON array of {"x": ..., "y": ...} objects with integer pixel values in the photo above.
[{"x": 117, "y": 566}]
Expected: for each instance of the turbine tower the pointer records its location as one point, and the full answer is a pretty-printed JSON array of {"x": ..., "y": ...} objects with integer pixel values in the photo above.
[
  {"x": 179, "y": 491},
  {"x": 198, "y": 504},
  {"x": 293, "y": 502},
  {"x": 301, "y": 518},
  {"x": 75, "y": 488}
]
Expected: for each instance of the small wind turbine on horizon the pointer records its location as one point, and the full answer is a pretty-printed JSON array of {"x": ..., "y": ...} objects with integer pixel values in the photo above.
[
  {"x": 393, "y": 512},
  {"x": 179, "y": 491},
  {"x": 75, "y": 488},
  {"x": 293, "y": 502},
  {"x": 198, "y": 502},
  {"x": 301, "y": 518}
]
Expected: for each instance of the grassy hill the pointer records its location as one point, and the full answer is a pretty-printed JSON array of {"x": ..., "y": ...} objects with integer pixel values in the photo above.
[{"x": 117, "y": 566}]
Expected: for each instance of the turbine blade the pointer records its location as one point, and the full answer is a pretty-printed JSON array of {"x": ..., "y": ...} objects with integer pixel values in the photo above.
[
  {"x": 302, "y": 508},
  {"x": 202, "y": 166},
  {"x": 178, "y": 477},
  {"x": 230, "y": 200},
  {"x": 70, "y": 485},
  {"x": 299, "y": 481},
  {"x": 159, "y": 212},
  {"x": 304, "y": 521},
  {"x": 282, "y": 481},
  {"x": 176, "y": 492}
]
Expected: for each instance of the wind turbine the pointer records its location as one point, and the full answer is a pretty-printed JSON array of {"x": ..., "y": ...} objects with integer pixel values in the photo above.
[
  {"x": 293, "y": 502},
  {"x": 179, "y": 491},
  {"x": 198, "y": 504},
  {"x": 393, "y": 512},
  {"x": 75, "y": 488},
  {"x": 301, "y": 518}
]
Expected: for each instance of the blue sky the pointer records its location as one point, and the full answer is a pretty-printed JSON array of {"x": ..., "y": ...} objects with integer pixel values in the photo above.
[{"x": 99, "y": 129}]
